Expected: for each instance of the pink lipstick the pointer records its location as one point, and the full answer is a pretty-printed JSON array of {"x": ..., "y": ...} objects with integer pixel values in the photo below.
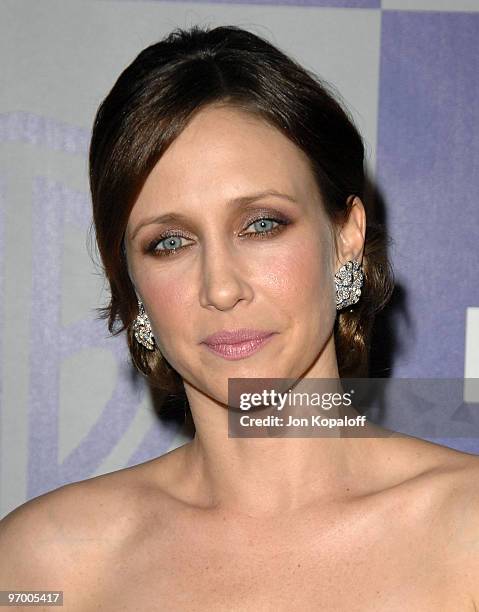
[{"x": 237, "y": 344}]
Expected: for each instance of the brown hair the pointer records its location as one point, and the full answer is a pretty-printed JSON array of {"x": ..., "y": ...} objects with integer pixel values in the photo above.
[{"x": 152, "y": 102}]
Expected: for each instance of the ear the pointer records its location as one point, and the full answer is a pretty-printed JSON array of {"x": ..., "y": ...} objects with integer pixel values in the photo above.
[{"x": 350, "y": 236}]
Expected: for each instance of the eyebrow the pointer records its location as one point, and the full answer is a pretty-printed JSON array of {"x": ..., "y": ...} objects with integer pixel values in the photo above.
[{"x": 240, "y": 201}]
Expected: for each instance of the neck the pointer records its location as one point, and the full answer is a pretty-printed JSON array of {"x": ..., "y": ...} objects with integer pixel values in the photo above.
[{"x": 264, "y": 476}]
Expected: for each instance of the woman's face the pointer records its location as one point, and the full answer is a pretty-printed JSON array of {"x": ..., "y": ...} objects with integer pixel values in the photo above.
[{"x": 227, "y": 258}]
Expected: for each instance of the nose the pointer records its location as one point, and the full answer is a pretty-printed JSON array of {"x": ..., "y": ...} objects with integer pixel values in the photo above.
[{"x": 224, "y": 281}]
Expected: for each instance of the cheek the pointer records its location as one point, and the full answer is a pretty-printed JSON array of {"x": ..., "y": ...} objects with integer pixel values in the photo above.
[
  {"x": 301, "y": 275},
  {"x": 167, "y": 299}
]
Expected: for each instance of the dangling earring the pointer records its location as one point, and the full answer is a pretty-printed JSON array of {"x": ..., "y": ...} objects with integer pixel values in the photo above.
[
  {"x": 142, "y": 329},
  {"x": 348, "y": 281}
]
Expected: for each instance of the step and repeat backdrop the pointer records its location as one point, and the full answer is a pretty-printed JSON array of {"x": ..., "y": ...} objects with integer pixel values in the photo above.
[{"x": 408, "y": 70}]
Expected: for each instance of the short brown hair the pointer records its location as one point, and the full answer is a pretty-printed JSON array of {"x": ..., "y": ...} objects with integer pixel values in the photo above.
[{"x": 152, "y": 102}]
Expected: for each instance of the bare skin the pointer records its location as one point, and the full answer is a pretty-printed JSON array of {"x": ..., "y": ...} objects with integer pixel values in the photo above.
[
  {"x": 403, "y": 536},
  {"x": 251, "y": 524}
]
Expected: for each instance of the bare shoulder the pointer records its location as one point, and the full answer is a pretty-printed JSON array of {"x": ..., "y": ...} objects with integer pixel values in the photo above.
[
  {"x": 67, "y": 538},
  {"x": 53, "y": 538},
  {"x": 462, "y": 518},
  {"x": 449, "y": 487},
  {"x": 448, "y": 475}
]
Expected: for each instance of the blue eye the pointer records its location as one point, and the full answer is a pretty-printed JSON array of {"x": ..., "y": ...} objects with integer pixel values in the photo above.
[
  {"x": 265, "y": 227},
  {"x": 171, "y": 245},
  {"x": 259, "y": 225},
  {"x": 170, "y": 242}
]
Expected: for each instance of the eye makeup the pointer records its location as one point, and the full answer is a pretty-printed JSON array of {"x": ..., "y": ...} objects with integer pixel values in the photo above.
[{"x": 265, "y": 217}]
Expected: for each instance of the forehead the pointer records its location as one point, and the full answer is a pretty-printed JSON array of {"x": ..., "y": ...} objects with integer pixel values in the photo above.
[{"x": 224, "y": 153}]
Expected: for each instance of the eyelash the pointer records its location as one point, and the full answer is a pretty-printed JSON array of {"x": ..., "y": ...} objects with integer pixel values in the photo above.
[{"x": 151, "y": 247}]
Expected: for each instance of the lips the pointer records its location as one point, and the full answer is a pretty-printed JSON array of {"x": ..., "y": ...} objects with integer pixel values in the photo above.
[
  {"x": 255, "y": 340},
  {"x": 236, "y": 336}
]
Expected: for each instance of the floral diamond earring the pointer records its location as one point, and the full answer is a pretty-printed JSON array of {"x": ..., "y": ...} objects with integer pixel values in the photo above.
[
  {"x": 142, "y": 329},
  {"x": 348, "y": 281}
]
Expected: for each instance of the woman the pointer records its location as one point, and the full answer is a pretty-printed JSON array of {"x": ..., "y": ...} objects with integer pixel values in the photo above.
[{"x": 228, "y": 187}]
